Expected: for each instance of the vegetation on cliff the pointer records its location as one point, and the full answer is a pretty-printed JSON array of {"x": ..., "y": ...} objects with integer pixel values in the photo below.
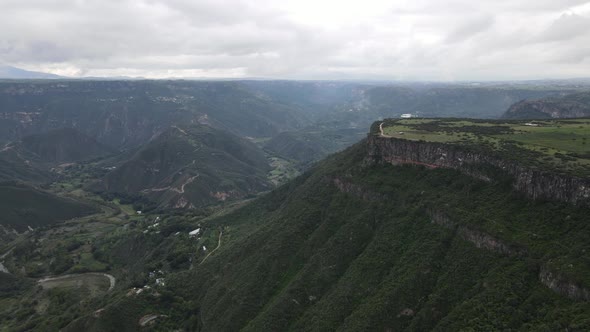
[
  {"x": 355, "y": 246},
  {"x": 558, "y": 145},
  {"x": 353, "y": 243}
]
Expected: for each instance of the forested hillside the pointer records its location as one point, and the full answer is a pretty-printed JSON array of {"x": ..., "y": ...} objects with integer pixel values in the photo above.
[
  {"x": 191, "y": 166},
  {"x": 356, "y": 244},
  {"x": 159, "y": 205}
]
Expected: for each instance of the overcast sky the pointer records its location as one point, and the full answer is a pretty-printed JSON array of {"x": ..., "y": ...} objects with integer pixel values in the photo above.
[{"x": 299, "y": 39}]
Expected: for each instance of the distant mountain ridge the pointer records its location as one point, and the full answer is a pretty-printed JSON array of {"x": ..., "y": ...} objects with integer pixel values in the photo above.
[
  {"x": 9, "y": 72},
  {"x": 575, "y": 105},
  {"x": 126, "y": 114}
]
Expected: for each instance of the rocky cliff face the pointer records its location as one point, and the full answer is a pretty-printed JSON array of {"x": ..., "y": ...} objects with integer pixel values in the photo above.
[
  {"x": 386, "y": 150},
  {"x": 535, "y": 109},
  {"x": 535, "y": 184},
  {"x": 553, "y": 280},
  {"x": 570, "y": 106},
  {"x": 480, "y": 239},
  {"x": 355, "y": 190},
  {"x": 561, "y": 285}
]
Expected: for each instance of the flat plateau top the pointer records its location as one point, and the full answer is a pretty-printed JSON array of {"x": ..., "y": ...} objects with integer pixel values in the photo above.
[{"x": 561, "y": 145}]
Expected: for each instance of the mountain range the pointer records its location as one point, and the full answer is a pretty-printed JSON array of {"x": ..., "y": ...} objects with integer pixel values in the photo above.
[
  {"x": 9, "y": 72},
  {"x": 576, "y": 105},
  {"x": 365, "y": 242},
  {"x": 290, "y": 206}
]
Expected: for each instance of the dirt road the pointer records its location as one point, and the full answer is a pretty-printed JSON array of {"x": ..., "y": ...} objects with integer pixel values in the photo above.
[{"x": 112, "y": 280}]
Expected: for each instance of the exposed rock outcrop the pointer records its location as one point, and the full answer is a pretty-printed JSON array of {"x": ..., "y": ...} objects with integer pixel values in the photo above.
[
  {"x": 533, "y": 183},
  {"x": 478, "y": 238},
  {"x": 563, "y": 286},
  {"x": 555, "y": 281},
  {"x": 357, "y": 191}
]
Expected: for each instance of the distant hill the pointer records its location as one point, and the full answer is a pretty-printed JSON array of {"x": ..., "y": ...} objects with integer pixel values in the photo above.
[
  {"x": 191, "y": 166},
  {"x": 9, "y": 72},
  {"x": 570, "y": 106},
  {"x": 359, "y": 244},
  {"x": 64, "y": 145},
  {"x": 22, "y": 206}
]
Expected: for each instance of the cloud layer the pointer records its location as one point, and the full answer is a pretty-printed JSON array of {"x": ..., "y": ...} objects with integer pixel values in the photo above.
[{"x": 312, "y": 39}]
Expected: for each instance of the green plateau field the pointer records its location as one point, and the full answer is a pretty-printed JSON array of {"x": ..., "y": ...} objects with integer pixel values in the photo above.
[{"x": 560, "y": 145}]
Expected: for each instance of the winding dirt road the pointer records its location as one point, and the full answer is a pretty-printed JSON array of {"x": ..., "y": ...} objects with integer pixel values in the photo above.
[
  {"x": 112, "y": 280},
  {"x": 212, "y": 251},
  {"x": 178, "y": 190},
  {"x": 381, "y": 130}
]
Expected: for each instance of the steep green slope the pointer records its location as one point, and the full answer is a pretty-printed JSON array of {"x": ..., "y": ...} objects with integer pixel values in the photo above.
[
  {"x": 575, "y": 105},
  {"x": 313, "y": 143},
  {"x": 22, "y": 206},
  {"x": 192, "y": 166},
  {"x": 20, "y": 164},
  {"x": 64, "y": 145},
  {"x": 351, "y": 248},
  {"x": 356, "y": 246}
]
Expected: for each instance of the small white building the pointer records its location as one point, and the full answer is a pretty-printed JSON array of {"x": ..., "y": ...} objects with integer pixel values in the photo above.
[
  {"x": 195, "y": 233},
  {"x": 406, "y": 116}
]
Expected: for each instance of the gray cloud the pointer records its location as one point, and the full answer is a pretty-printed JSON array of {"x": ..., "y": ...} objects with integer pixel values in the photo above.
[
  {"x": 419, "y": 39},
  {"x": 470, "y": 28},
  {"x": 567, "y": 26}
]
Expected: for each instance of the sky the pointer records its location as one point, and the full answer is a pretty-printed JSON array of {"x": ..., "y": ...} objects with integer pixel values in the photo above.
[{"x": 432, "y": 40}]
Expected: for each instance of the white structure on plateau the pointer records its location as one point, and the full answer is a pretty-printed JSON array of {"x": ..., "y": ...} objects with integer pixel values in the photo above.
[
  {"x": 194, "y": 233},
  {"x": 406, "y": 116}
]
